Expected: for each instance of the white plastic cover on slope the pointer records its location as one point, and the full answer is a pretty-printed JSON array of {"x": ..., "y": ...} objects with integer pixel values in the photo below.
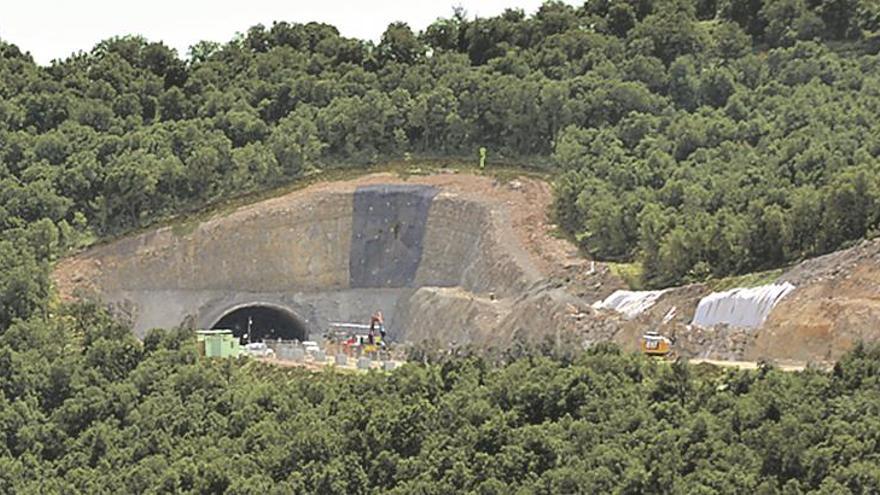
[
  {"x": 630, "y": 302},
  {"x": 740, "y": 307}
]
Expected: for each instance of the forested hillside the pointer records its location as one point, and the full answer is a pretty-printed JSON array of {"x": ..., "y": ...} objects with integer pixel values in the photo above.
[
  {"x": 104, "y": 414},
  {"x": 700, "y": 138}
]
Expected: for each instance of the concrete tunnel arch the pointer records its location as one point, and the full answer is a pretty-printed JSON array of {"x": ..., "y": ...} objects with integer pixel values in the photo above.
[{"x": 269, "y": 321}]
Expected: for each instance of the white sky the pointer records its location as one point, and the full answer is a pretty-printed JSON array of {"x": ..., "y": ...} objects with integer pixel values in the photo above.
[{"x": 54, "y": 29}]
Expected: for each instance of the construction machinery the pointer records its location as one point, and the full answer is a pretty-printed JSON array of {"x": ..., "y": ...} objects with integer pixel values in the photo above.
[
  {"x": 354, "y": 339},
  {"x": 654, "y": 344}
]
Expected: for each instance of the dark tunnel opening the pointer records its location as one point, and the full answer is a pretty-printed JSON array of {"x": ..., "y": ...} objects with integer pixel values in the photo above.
[{"x": 266, "y": 323}]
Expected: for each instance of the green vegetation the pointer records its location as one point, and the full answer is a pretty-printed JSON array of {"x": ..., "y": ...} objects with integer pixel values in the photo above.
[
  {"x": 106, "y": 414},
  {"x": 748, "y": 280},
  {"x": 631, "y": 273},
  {"x": 729, "y": 146}
]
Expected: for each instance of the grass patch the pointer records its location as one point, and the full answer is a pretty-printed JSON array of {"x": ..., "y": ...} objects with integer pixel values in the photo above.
[
  {"x": 631, "y": 273},
  {"x": 748, "y": 280},
  {"x": 184, "y": 227}
]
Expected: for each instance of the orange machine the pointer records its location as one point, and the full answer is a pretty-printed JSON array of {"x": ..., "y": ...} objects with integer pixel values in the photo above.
[{"x": 654, "y": 344}]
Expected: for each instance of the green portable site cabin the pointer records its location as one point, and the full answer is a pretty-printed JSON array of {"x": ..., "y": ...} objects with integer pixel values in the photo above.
[{"x": 217, "y": 343}]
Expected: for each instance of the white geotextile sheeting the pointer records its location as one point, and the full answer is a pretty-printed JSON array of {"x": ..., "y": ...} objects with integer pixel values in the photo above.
[
  {"x": 740, "y": 307},
  {"x": 630, "y": 302}
]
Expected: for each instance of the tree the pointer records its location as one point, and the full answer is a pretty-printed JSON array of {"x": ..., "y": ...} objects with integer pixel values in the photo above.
[
  {"x": 295, "y": 142},
  {"x": 621, "y": 18},
  {"x": 128, "y": 190},
  {"x": 683, "y": 83},
  {"x": 202, "y": 51},
  {"x": 255, "y": 165},
  {"x": 849, "y": 208},
  {"x": 732, "y": 42},
  {"x": 399, "y": 44},
  {"x": 24, "y": 285},
  {"x": 745, "y": 13},
  {"x": 173, "y": 105},
  {"x": 243, "y": 127},
  {"x": 788, "y": 21},
  {"x": 670, "y": 33},
  {"x": 445, "y": 34},
  {"x": 838, "y": 16}
]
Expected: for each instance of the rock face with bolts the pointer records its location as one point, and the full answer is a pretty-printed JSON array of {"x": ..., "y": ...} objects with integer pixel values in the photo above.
[{"x": 388, "y": 231}]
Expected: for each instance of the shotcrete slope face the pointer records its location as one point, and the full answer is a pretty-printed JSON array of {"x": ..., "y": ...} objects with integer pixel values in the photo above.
[
  {"x": 288, "y": 267},
  {"x": 388, "y": 229}
]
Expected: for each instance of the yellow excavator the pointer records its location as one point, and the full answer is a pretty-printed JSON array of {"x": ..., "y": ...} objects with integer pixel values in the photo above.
[{"x": 654, "y": 344}]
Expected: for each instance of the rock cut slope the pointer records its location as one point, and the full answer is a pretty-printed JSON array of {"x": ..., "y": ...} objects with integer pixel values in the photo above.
[{"x": 470, "y": 245}]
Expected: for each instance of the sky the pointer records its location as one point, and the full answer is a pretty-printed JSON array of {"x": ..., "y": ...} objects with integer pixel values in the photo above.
[{"x": 55, "y": 29}]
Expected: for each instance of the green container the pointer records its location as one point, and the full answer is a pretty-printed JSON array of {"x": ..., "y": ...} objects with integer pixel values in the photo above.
[{"x": 218, "y": 343}]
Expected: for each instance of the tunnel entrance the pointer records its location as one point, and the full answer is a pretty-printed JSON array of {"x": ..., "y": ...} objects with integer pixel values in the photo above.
[{"x": 266, "y": 322}]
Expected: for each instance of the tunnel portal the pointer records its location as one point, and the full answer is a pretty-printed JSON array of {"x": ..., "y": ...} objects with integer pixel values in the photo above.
[
  {"x": 330, "y": 253},
  {"x": 266, "y": 322}
]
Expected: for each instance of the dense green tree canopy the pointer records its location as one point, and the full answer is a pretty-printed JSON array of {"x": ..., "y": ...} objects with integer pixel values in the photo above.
[{"x": 86, "y": 408}]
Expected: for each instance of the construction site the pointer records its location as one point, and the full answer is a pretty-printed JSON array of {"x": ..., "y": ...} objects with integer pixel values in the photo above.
[{"x": 453, "y": 259}]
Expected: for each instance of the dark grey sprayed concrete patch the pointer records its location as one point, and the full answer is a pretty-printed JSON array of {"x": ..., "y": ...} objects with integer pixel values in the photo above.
[{"x": 388, "y": 228}]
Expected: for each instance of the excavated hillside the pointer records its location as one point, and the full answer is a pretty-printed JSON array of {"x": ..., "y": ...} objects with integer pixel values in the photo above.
[
  {"x": 447, "y": 258},
  {"x": 834, "y": 304},
  {"x": 837, "y": 304}
]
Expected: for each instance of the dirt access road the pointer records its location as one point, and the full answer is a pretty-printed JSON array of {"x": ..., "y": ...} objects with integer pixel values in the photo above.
[{"x": 753, "y": 365}]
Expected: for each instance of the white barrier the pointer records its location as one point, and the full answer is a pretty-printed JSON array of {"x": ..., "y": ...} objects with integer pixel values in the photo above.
[
  {"x": 740, "y": 307},
  {"x": 630, "y": 303}
]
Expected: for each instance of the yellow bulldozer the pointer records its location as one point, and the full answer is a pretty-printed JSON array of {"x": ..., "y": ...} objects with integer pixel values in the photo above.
[{"x": 654, "y": 344}]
